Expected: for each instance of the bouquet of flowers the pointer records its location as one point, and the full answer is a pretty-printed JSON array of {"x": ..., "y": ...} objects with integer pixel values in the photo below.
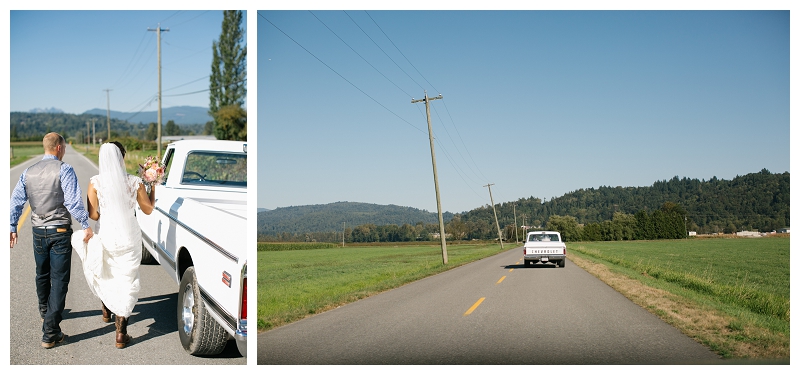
[{"x": 151, "y": 172}]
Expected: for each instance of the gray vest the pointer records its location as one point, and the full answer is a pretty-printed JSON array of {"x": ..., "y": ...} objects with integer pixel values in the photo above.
[{"x": 45, "y": 195}]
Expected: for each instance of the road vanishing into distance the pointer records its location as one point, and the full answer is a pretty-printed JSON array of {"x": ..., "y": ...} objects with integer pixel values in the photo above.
[
  {"x": 492, "y": 311},
  {"x": 153, "y": 324}
]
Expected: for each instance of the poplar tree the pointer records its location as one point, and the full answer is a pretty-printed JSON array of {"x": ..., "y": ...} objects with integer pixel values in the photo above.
[{"x": 228, "y": 81}]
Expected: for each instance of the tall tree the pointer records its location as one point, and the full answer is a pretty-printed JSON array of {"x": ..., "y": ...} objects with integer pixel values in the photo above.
[
  {"x": 228, "y": 81},
  {"x": 231, "y": 123},
  {"x": 172, "y": 128}
]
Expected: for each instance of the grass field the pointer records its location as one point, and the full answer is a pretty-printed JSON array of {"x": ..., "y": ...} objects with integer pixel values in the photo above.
[
  {"x": 293, "y": 284},
  {"x": 22, "y": 151},
  {"x": 731, "y": 294},
  {"x": 25, "y": 150}
]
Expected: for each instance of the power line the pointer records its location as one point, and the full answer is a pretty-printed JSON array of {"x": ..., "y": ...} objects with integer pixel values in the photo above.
[
  {"x": 136, "y": 52},
  {"x": 187, "y": 83},
  {"x": 359, "y": 55},
  {"x": 173, "y": 15},
  {"x": 455, "y": 145},
  {"x": 462, "y": 140},
  {"x": 384, "y": 52},
  {"x": 426, "y": 80},
  {"x": 341, "y": 76},
  {"x": 398, "y": 50},
  {"x": 190, "y": 19},
  {"x": 449, "y": 159}
]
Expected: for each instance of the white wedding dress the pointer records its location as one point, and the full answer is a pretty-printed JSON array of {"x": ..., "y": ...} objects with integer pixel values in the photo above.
[{"x": 112, "y": 256}]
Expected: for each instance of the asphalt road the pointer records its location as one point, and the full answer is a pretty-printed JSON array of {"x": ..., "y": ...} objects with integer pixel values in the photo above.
[
  {"x": 538, "y": 315},
  {"x": 153, "y": 324}
]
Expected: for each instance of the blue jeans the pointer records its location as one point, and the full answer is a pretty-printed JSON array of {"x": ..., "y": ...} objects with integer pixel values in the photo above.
[{"x": 53, "y": 253}]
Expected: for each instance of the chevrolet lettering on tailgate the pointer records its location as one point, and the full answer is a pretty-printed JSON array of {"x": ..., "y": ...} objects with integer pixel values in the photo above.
[{"x": 545, "y": 247}]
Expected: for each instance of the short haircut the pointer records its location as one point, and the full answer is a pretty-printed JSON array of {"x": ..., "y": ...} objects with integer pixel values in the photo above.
[
  {"x": 52, "y": 140},
  {"x": 120, "y": 147}
]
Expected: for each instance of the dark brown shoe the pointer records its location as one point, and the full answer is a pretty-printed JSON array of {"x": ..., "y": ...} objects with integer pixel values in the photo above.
[
  {"x": 106, "y": 313},
  {"x": 122, "y": 331}
]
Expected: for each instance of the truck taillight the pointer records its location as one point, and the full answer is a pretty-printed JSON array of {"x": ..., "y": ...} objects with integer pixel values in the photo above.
[{"x": 243, "y": 313}]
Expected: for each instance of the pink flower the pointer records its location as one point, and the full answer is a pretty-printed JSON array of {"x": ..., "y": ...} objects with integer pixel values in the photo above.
[{"x": 150, "y": 175}]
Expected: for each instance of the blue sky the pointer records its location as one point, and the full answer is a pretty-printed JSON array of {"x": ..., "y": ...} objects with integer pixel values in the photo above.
[
  {"x": 539, "y": 103},
  {"x": 66, "y": 59}
]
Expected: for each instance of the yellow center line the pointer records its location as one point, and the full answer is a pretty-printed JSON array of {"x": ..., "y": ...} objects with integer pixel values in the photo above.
[
  {"x": 501, "y": 279},
  {"x": 475, "y": 306},
  {"x": 22, "y": 218},
  {"x": 511, "y": 270}
]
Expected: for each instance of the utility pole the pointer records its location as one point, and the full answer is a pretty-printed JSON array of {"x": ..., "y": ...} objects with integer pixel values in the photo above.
[
  {"x": 524, "y": 234},
  {"x": 344, "y": 228},
  {"x": 108, "y": 114},
  {"x": 685, "y": 231},
  {"x": 516, "y": 234},
  {"x": 435, "y": 175},
  {"x": 87, "y": 136},
  {"x": 499, "y": 234},
  {"x": 93, "y": 134},
  {"x": 158, "y": 31}
]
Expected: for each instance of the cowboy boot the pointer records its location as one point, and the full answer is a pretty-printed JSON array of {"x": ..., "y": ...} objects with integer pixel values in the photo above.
[
  {"x": 122, "y": 331},
  {"x": 106, "y": 313}
]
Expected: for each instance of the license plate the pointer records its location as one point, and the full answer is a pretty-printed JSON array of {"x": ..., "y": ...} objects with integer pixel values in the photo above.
[{"x": 545, "y": 259}]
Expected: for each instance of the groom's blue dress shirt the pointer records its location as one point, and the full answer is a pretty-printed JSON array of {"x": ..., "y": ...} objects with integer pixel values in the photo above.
[{"x": 72, "y": 196}]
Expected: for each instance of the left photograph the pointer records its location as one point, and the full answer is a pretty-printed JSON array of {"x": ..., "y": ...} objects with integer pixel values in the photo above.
[{"x": 128, "y": 187}]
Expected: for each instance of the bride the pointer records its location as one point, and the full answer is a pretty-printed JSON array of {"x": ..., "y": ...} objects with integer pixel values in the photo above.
[{"x": 111, "y": 258}]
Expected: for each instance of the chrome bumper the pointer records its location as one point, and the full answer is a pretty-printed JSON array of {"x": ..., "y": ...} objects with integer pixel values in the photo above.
[
  {"x": 241, "y": 338},
  {"x": 550, "y": 257}
]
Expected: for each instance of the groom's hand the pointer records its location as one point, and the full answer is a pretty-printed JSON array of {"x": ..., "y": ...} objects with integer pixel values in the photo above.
[
  {"x": 13, "y": 239},
  {"x": 87, "y": 234}
]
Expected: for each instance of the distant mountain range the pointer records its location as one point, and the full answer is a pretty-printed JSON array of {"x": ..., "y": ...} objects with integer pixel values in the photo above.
[
  {"x": 46, "y": 110},
  {"x": 329, "y": 217},
  {"x": 182, "y": 115}
]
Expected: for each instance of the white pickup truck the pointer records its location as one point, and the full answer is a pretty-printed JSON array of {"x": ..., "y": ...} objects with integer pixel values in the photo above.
[
  {"x": 544, "y": 247},
  {"x": 197, "y": 232}
]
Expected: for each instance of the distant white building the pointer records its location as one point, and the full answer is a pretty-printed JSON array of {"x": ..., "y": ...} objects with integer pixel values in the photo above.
[{"x": 783, "y": 230}]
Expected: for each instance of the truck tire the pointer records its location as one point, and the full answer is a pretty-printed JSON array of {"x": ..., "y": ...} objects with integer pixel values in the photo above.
[
  {"x": 200, "y": 334},
  {"x": 562, "y": 263},
  {"x": 147, "y": 258}
]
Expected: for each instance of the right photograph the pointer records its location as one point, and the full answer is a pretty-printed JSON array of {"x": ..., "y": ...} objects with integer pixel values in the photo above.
[{"x": 523, "y": 187}]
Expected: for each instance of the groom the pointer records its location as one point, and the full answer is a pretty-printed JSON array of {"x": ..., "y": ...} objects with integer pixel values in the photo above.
[{"x": 51, "y": 187}]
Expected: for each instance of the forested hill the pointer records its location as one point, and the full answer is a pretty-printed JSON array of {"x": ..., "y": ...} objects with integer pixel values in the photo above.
[
  {"x": 26, "y": 126},
  {"x": 756, "y": 201},
  {"x": 33, "y": 126},
  {"x": 330, "y": 217}
]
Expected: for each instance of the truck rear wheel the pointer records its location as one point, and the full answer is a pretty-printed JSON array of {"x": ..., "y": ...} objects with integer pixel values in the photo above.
[
  {"x": 562, "y": 263},
  {"x": 200, "y": 334}
]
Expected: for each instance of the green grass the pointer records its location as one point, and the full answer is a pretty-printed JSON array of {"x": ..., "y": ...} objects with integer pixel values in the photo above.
[
  {"x": 750, "y": 273},
  {"x": 23, "y": 151},
  {"x": 730, "y": 294},
  {"x": 281, "y": 246},
  {"x": 295, "y": 283}
]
